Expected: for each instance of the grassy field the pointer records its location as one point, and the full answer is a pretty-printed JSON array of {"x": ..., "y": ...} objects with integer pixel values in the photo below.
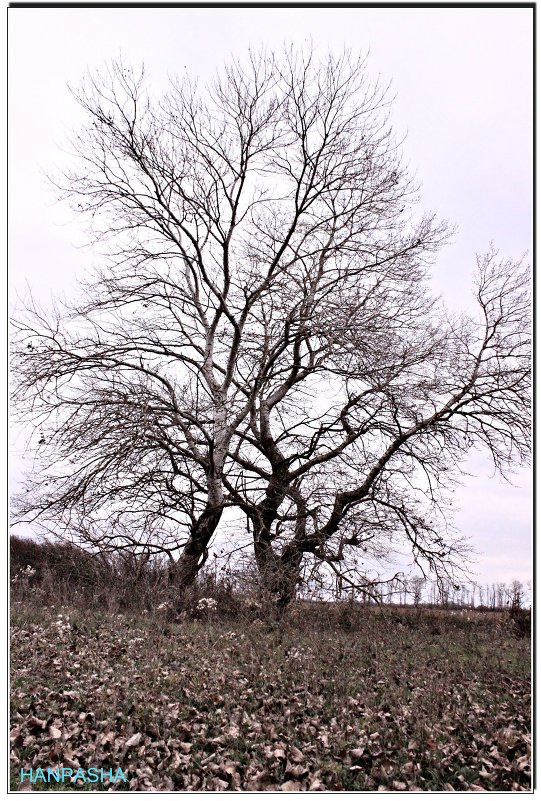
[{"x": 393, "y": 701}]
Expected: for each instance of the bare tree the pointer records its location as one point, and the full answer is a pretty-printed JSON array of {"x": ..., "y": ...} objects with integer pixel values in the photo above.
[
  {"x": 380, "y": 460},
  {"x": 515, "y": 594},
  {"x": 471, "y": 596},
  {"x": 143, "y": 384},
  {"x": 262, "y": 335},
  {"x": 417, "y": 585}
]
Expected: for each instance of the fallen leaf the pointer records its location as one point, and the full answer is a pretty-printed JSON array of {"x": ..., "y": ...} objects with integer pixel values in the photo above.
[
  {"x": 290, "y": 787},
  {"x": 36, "y": 723},
  {"x": 134, "y": 740},
  {"x": 218, "y": 784},
  {"x": 295, "y": 754},
  {"x": 15, "y": 733},
  {"x": 412, "y": 745}
]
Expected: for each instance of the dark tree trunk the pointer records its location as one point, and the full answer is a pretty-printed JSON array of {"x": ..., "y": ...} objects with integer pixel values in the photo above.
[
  {"x": 195, "y": 552},
  {"x": 280, "y": 575}
]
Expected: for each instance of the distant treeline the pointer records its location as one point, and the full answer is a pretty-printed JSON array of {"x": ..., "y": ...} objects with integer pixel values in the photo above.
[{"x": 471, "y": 595}]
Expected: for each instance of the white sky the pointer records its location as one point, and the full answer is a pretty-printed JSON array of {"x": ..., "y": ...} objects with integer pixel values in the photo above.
[{"x": 463, "y": 84}]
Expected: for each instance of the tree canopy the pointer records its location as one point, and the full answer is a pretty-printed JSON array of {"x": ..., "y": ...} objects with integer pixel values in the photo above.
[{"x": 261, "y": 333}]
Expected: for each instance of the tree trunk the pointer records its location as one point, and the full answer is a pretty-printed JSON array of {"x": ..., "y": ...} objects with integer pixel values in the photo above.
[
  {"x": 195, "y": 552},
  {"x": 280, "y": 575}
]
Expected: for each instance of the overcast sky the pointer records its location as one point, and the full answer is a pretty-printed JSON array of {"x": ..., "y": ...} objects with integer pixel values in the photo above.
[{"x": 462, "y": 80}]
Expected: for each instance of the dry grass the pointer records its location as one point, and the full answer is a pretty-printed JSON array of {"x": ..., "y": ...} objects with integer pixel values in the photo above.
[{"x": 394, "y": 701}]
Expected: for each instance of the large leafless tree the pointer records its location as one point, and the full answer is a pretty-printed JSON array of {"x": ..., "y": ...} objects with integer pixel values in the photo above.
[{"x": 261, "y": 334}]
